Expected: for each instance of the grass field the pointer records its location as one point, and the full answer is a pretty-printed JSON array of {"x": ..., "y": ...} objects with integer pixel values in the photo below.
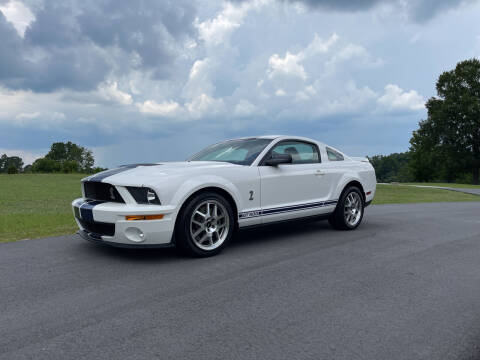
[
  {"x": 38, "y": 205},
  {"x": 397, "y": 194},
  {"x": 464, "y": 186}
]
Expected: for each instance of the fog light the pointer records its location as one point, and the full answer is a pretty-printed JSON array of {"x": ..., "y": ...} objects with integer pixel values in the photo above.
[{"x": 135, "y": 234}]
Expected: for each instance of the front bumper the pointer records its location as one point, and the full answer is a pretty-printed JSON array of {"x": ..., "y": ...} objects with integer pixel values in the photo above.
[
  {"x": 93, "y": 217},
  {"x": 96, "y": 239}
]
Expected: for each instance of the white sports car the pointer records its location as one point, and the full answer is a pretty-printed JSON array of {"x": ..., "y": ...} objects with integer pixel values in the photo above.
[{"x": 197, "y": 204}]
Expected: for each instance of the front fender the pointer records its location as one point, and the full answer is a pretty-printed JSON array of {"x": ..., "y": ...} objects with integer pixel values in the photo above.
[{"x": 191, "y": 186}]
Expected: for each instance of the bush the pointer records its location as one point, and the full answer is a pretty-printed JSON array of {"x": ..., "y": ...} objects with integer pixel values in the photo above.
[
  {"x": 12, "y": 170},
  {"x": 69, "y": 167},
  {"x": 46, "y": 166}
]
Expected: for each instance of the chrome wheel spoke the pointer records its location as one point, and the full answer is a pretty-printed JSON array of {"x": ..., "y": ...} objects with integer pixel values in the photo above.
[
  {"x": 209, "y": 225},
  {"x": 198, "y": 232},
  {"x": 197, "y": 222},
  {"x": 201, "y": 214},
  {"x": 203, "y": 238},
  {"x": 353, "y": 209}
]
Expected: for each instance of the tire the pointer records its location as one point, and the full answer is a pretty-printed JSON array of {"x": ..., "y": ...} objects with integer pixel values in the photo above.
[
  {"x": 349, "y": 211},
  {"x": 202, "y": 231}
]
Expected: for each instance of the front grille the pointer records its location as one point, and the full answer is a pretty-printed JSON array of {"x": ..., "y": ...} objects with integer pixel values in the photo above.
[
  {"x": 101, "y": 191},
  {"x": 99, "y": 228}
]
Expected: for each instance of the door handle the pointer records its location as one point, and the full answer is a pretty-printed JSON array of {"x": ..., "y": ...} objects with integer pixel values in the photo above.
[{"x": 319, "y": 173}]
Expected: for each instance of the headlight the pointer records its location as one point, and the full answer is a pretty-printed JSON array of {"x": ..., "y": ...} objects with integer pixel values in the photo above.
[{"x": 144, "y": 195}]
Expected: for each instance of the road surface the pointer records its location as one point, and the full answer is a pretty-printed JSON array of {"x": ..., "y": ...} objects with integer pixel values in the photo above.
[{"x": 405, "y": 285}]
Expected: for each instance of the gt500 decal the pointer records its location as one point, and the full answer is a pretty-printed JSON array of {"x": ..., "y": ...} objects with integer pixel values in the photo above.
[
  {"x": 271, "y": 211},
  {"x": 250, "y": 214}
]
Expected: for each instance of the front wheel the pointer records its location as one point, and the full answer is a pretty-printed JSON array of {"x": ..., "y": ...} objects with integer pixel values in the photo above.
[
  {"x": 205, "y": 225},
  {"x": 349, "y": 211}
]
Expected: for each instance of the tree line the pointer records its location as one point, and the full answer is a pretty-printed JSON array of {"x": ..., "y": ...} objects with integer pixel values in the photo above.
[
  {"x": 446, "y": 146},
  {"x": 63, "y": 157}
]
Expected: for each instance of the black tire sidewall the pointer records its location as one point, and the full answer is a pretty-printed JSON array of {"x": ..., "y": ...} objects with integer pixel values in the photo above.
[
  {"x": 183, "y": 237},
  {"x": 340, "y": 220}
]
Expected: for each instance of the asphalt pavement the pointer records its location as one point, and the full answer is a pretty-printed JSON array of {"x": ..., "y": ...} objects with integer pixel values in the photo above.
[{"x": 405, "y": 285}]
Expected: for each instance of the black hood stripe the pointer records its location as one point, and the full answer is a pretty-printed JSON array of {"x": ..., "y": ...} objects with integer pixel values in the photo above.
[{"x": 122, "y": 168}]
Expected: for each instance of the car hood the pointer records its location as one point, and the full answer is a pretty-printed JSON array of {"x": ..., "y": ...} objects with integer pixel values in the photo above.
[{"x": 140, "y": 174}]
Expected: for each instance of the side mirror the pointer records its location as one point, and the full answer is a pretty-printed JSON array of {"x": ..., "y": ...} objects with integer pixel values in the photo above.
[{"x": 277, "y": 159}]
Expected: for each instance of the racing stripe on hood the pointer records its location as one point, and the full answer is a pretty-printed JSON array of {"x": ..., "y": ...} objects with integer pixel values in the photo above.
[{"x": 122, "y": 168}]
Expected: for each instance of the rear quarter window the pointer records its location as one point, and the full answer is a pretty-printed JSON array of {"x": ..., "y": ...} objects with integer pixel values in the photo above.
[{"x": 334, "y": 155}]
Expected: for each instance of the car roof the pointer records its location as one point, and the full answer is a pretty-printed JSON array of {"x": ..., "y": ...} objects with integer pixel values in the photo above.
[{"x": 281, "y": 137}]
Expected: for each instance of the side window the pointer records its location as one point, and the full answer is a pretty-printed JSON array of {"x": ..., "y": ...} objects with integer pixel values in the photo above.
[
  {"x": 302, "y": 153},
  {"x": 334, "y": 155}
]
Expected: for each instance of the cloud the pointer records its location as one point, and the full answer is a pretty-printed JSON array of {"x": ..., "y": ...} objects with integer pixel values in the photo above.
[
  {"x": 245, "y": 108},
  {"x": 18, "y": 14},
  {"x": 286, "y": 66},
  {"x": 396, "y": 99},
  {"x": 164, "y": 109},
  {"x": 416, "y": 10},
  {"x": 205, "y": 105},
  {"x": 290, "y": 64},
  {"x": 110, "y": 92},
  {"x": 77, "y": 45},
  {"x": 305, "y": 73},
  {"x": 216, "y": 30}
]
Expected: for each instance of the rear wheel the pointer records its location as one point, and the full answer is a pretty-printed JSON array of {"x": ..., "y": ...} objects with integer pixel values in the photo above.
[
  {"x": 349, "y": 211},
  {"x": 205, "y": 225}
]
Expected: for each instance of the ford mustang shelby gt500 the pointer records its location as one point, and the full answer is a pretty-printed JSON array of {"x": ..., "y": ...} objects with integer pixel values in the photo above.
[{"x": 197, "y": 204}]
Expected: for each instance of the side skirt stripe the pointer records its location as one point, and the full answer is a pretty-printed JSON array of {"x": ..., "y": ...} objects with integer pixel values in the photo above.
[{"x": 279, "y": 210}]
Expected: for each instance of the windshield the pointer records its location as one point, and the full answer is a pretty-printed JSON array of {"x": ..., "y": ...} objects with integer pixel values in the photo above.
[{"x": 240, "y": 151}]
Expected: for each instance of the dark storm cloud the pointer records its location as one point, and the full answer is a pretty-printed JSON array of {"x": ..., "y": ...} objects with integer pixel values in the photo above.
[
  {"x": 421, "y": 11},
  {"x": 418, "y": 10},
  {"x": 61, "y": 48}
]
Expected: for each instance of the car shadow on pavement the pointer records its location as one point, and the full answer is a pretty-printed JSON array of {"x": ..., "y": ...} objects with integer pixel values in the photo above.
[{"x": 246, "y": 238}]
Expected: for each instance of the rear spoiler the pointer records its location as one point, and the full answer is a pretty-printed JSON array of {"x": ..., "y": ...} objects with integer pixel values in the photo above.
[{"x": 361, "y": 159}]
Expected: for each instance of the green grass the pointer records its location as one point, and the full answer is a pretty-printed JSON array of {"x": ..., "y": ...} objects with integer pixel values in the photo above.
[
  {"x": 37, "y": 205},
  {"x": 464, "y": 186},
  {"x": 398, "y": 194}
]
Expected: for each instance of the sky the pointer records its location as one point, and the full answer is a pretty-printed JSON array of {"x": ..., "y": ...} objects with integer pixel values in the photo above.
[{"x": 158, "y": 80}]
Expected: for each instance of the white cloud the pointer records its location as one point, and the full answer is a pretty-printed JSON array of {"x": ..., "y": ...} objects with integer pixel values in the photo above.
[
  {"x": 204, "y": 105},
  {"x": 18, "y": 14},
  {"x": 40, "y": 120},
  {"x": 245, "y": 108},
  {"x": 111, "y": 92},
  {"x": 165, "y": 109},
  {"x": 290, "y": 64},
  {"x": 286, "y": 66},
  {"x": 28, "y": 116},
  {"x": 216, "y": 30},
  {"x": 395, "y": 98}
]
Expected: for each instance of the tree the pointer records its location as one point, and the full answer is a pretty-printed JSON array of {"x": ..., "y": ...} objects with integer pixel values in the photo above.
[
  {"x": 448, "y": 141},
  {"x": 393, "y": 167},
  {"x": 6, "y": 162},
  {"x": 70, "y": 167},
  {"x": 12, "y": 170},
  {"x": 70, "y": 152},
  {"x": 44, "y": 165}
]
